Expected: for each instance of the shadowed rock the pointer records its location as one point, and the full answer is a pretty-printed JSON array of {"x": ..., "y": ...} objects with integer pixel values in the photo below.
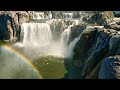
[
  {"x": 10, "y": 22},
  {"x": 92, "y": 48},
  {"x": 110, "y": 68}
]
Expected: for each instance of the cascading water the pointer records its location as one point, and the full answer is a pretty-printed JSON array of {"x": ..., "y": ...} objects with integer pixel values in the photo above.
[
  {"x": 71, "y": 46},
  {"x": 36, "y": 34},
  {"x": 37, "y": 38},
  {"x": 56, "y": 37},
  {"x": 65, "y": 37}
]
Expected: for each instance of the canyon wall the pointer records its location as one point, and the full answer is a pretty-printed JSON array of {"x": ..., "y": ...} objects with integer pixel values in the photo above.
[
  {"x": 10, "y": 22},
  {"x": 96, "y": 55}
]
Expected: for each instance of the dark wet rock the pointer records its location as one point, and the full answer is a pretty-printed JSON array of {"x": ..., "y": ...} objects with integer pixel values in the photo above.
[
  {"x": 113, "y": 41},
  {"x": 10, "y": 22},
  {"x": 97, "y": 54},
  {"x": 92, "y": 48},
  {"x": 76, "y": 30},
  {"x": 76, "y": 15},
  {"x": 110, "y": 68},
  {"x": 118, "y": 23},
  {"x": 81, "y": 48},
  {"x": 114, "y": 26},
  {"x": 116, "y": 14}
]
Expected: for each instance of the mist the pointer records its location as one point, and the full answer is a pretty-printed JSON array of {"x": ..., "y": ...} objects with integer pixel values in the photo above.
[
  {"x": 37, "y": 40},
  {"x": 13, "y": 66}
]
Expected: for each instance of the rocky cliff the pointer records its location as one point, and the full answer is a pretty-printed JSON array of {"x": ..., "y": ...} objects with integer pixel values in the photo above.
[
  {"x": 99, "y": 17},
  {"x": 96, "y": 55},
  {"x": 10, "y": 22}
]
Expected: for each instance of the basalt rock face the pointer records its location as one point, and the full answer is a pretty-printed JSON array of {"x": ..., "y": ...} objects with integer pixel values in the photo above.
[
  {"x": 99, "y": 17},
  {"x": 59, "y": 25},
  {"x": 114, "y": 26},
  {"x": 110, "y": 68},
  {"x": 90, "y": 53},
  {"x": 76, "y": 30},
  {"x": 10, "y": 22}
]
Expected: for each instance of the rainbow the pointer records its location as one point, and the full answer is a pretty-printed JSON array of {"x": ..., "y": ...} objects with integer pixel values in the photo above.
[{"x": 22, "y": 58}]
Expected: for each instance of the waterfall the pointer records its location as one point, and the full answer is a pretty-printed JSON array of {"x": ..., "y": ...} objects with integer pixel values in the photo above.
[
  {"x": 71, "y": 46},
  {"x": 65, "y": 37},
  {"x": 68, "y": 51},
  {"x": 36, "y": 34},
  {"x": 37, "y": 39}
]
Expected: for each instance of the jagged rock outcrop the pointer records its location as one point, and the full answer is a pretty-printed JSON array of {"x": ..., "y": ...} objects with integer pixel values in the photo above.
[
  {"x": 110, "y": 68},
  {"x": 61, "y": 14},
  {"x": 99, "y": 17},
  {"x": 10, "y": 22},
  {"x": 59, "y": 25},
  {"x": 57, "y": 14},
  {"x": 93, "y": 47},
  {"x": 76, "y": 30},
  {"x": 116, "y": 13},
  {"x": 114, "y": 26}
]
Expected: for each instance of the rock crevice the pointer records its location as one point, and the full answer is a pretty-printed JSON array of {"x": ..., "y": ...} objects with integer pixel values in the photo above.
[{"x": 90, "y": 54}]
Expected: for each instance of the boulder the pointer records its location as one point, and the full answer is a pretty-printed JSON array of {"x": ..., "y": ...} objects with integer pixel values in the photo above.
[{"x": 110, "y": 68}]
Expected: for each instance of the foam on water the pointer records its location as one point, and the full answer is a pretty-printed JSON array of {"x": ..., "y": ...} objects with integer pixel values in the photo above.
[{"x": 37, "y": 40}]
